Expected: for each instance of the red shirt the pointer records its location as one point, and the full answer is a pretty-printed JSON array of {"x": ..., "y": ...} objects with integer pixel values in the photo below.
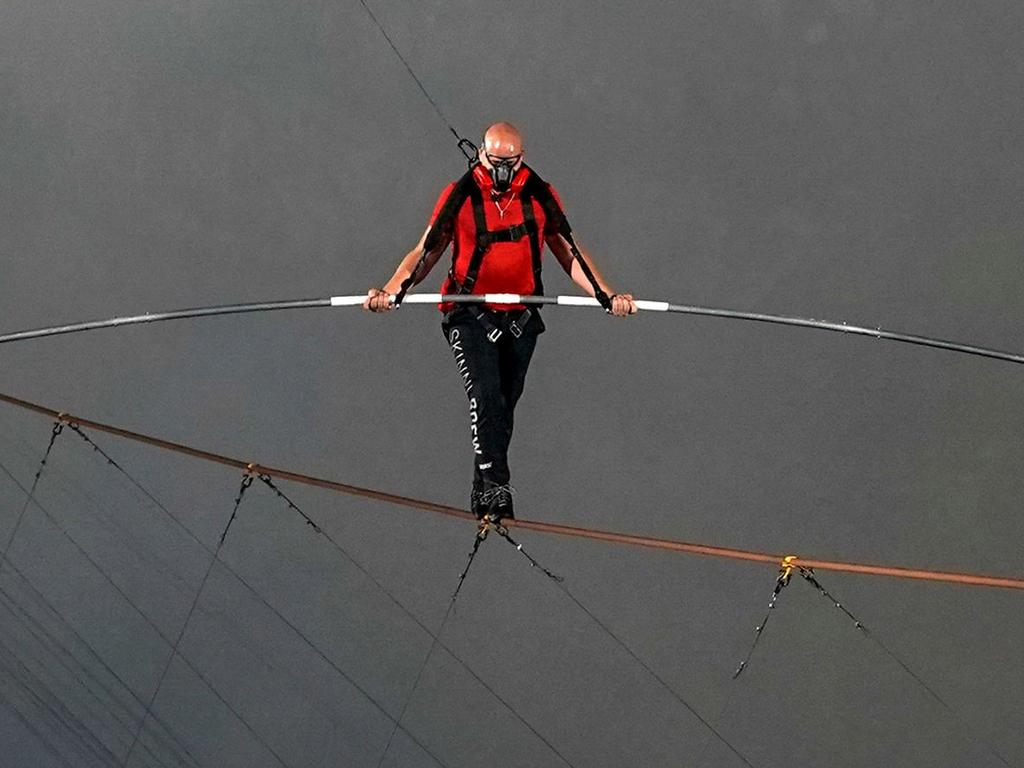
[{"x": 506, "y": 267}]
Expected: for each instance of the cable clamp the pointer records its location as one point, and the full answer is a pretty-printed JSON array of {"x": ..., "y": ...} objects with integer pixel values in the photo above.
[
  {"x": 786, "y": 568},
  {"x": 62, "y": 420},
  {"x": 470, "y": 151}
]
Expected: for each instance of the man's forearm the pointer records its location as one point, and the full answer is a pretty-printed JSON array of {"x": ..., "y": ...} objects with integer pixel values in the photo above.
[
  {"x": 580, "y": 278},
  {"x": 405, "y": 268},
  {"x": 562, "y": 251}
]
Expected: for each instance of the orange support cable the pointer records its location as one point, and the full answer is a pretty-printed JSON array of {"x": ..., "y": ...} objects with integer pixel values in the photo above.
[{"x": 971, "y": 579}]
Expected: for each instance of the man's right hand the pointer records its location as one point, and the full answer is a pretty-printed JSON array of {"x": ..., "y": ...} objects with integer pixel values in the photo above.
[{"x": 378, "y": 300}]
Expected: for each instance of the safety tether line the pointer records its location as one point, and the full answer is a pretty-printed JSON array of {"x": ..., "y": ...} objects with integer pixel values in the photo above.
[
  {"x": 408, "y": 69},
  {"x": 246, "y": 482},
  {"x": 969, "y": 579},
  {"x": 508, "y": 298},
  {"x": 465, "y": 145}
]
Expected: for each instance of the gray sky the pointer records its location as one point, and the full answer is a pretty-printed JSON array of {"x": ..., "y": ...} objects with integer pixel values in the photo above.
[{"x": 850, "y": 160}]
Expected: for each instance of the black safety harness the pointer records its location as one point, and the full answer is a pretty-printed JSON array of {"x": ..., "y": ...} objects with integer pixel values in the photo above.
[{"x": 465, "y": 188}]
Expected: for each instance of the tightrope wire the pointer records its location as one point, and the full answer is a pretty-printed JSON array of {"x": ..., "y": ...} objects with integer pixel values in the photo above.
[
  {"x": 972, "y": 579},
  {"x": 679, "y": 546}
]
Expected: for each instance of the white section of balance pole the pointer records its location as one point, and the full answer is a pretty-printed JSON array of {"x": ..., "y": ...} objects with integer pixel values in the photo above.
[
  {"x": 577, "y": 301},
  {"x": 347, "y": 301},
  {"x": 652, "y": 306},
  {"x": 421, "y": 298},
  {"x": 500, "y": 298}
]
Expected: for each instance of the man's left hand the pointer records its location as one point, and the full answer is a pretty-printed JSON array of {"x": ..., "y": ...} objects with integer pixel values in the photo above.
[{"x": 623, "y": 304}]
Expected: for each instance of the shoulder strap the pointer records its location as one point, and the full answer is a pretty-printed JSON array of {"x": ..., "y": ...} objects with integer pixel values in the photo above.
[
  {"x": 542, "y": 191},
  {"x": 442, "y": 228},
  {"x": 536, "y": 243},
  {"x": 482, "y": 239},
  {"x": 445, "y": 221}
]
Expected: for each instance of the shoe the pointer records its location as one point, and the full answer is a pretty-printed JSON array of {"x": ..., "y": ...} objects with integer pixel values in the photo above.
[
  {"x": 495, "y": 503},
  {"x": 476, "y": 503}
]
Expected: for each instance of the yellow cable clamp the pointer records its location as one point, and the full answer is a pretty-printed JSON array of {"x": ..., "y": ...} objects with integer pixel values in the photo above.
[{"x": 786, "y": 568}]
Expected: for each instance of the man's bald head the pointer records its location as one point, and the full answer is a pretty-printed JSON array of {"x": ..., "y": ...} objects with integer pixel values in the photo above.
[{"x": 503, "y": 140}]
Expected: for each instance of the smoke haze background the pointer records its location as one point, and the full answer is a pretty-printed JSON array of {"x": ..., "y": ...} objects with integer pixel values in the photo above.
[{"x": 856, "y": 160}]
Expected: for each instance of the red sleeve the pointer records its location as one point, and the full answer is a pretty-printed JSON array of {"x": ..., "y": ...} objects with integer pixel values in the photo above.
[{"x": 440, "y": 202}]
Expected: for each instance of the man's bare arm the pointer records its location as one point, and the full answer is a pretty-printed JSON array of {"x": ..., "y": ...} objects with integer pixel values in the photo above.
[
  {"x": 379, "y": 299},
  {"x": 622, "y": 303}
]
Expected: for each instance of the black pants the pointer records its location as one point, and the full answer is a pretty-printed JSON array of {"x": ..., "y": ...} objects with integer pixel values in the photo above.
[{"x": 494, "y": 374}]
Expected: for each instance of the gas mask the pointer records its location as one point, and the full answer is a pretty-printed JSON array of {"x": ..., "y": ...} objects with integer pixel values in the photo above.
[{"x": 503, "y": 169}]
